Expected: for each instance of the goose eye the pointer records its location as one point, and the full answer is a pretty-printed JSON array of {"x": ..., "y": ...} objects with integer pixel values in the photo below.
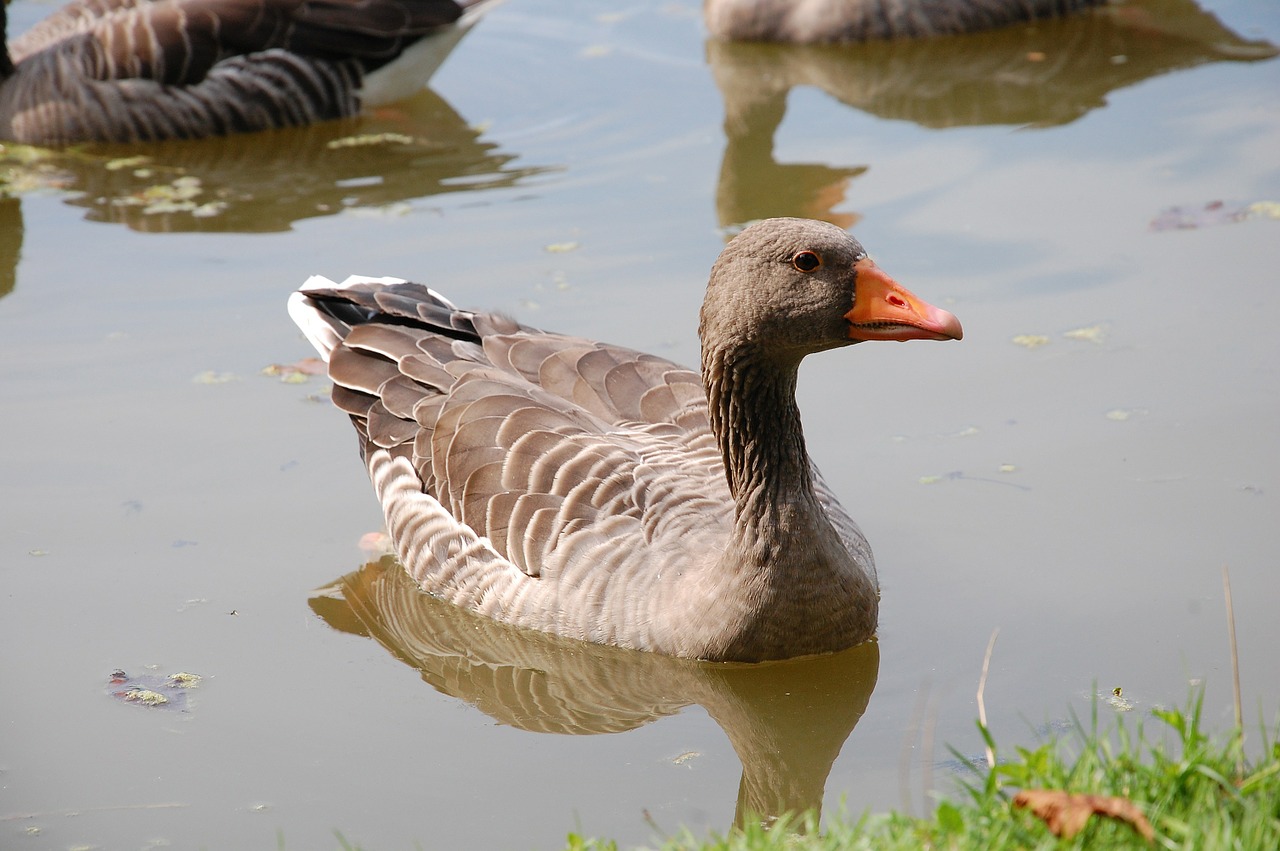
[{"x": 806, "y": 261}]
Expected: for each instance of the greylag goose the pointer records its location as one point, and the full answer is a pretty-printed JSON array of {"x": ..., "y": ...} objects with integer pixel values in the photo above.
[
  {"x": 818, "y": 21},
  {"x": 606, "y": 495},
  {"x": 142, "y": 70}
]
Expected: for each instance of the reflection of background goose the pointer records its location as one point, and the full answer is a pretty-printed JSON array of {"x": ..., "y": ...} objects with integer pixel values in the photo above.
[
  {"x": 787, "y": 721},
  {"x": 753, "y": 184},
  {"x": 1049, "y": 74},
  {"x": 812, "y": 21},
  {"x": 11, "y": 231},
  {"x": 602, "y": 494},
  {"x": 256, "y": 184},
  {"x": 130, "y": 70}
]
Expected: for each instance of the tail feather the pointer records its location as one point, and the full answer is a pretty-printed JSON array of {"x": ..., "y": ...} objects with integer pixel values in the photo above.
[
  {"x": 322, "y": 327},
  {"x": 326, "y": 312}
]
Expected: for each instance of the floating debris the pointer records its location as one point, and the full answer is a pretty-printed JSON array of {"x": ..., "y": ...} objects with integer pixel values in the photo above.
[
  {"x": 145, "y": 696},
  {"x": 1092, "y": 334},
  {"x": 1120, "y": 415},
  {"x": 154, "y": 690},
  {"x": 364, "y": 140},
  {"x": 396, "y": 210},
  {"x": 1214, "y": 213},
  {"x": 126, "y": 162},
  {"x": 177, "y": 196},
  {"x": 210, "y": 376},
  {"x": 1117, "y": 701},
  {"x": 561, "y": 247},
  {"x": 1264, "y": 210},
  {"x": 1030, "y": 341},
  {"x": 685, "y": 757},
  {"x": 961, "y": 476},
  {"x": 1008, "y": 468},
  {"x": 26, "y": 169},
  {"x": 297, "y": 372}
]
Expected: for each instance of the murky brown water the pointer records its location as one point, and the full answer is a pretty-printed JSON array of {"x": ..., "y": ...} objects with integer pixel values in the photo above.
[{"x": 169, "y": 509}]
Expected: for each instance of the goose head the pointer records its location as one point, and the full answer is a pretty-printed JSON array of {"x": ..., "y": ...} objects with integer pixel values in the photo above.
[{"x": 786, "y": 288}]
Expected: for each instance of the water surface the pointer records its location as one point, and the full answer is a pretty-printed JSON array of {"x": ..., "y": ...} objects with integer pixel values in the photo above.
[{"x": 579, "y": 165}]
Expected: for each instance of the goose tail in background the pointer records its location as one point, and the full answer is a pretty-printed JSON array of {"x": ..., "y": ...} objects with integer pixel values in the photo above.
[{"x": 415, "y": 67}]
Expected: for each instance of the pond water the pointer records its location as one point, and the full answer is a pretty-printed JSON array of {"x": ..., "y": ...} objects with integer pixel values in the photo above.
[{"x": 1075, "y": 473}]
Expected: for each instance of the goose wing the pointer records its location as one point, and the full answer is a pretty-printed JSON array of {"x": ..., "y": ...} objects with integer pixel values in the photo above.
[{"x": 540, "y": 442}]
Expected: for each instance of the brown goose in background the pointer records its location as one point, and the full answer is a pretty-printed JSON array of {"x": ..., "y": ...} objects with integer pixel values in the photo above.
[
  {"x": 819, "y": 21},
  {"x": 602, "y": 494},
  {"x": 142, "y": 70}
]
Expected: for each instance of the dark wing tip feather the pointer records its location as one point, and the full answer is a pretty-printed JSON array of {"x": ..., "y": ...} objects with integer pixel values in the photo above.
[{"x": 408, "y": 304}]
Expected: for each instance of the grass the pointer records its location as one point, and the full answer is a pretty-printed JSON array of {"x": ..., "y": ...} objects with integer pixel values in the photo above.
[{"x": 1196, "y": 792}]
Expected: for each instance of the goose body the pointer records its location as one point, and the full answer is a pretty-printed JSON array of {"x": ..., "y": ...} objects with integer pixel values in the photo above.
[
  {"x": 602, "y": 494},
  {"x": 143, "y": 70},
  {"x": 825, "y": 21}
]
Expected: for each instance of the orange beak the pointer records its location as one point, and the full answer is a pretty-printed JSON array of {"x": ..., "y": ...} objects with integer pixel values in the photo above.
[{"x": 884, "y": 310}]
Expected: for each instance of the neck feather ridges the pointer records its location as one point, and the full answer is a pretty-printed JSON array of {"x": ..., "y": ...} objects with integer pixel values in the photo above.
[{"x": 757, "y": 425}]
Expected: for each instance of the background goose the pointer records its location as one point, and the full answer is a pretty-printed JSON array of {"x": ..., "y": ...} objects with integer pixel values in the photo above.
[
  {"x": 139, "y": 70},
  {"x": 598, "y": 493},
  {"x": 814, "y": 21}
]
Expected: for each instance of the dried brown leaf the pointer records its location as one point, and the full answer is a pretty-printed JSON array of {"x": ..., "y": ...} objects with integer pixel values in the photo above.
[{"x": 1066, "y": 814}]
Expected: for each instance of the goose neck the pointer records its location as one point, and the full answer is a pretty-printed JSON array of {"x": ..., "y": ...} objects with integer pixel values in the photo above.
[{"x": 757, "y": 425}]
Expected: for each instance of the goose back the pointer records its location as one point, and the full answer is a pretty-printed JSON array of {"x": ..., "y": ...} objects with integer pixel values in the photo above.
[
  {"x": 817, "y": 21},
  {"x": 136, "y": 70}
]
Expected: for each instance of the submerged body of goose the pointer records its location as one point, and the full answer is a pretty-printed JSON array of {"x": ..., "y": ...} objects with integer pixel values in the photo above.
[
  {"x": 144, "y": 70},
  {"x": 599, "y": 493},
  {"x": 826, "y": 21}
]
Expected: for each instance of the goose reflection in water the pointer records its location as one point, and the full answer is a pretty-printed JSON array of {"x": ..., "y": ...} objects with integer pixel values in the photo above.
[
  {"x": 787, "y": 721},
  {"x": 11, "y": 230},
  {"x": 1036, "y": 75},
  {"x": 264, "y": 182}
]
